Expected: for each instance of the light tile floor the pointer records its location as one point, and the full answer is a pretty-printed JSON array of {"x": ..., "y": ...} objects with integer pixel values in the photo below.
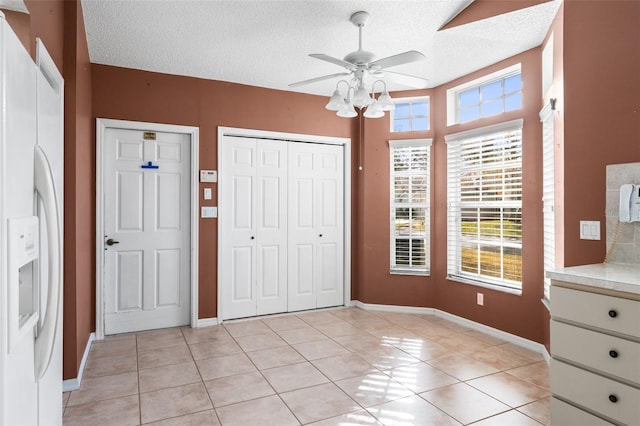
[{"x": 334, "y": 367}]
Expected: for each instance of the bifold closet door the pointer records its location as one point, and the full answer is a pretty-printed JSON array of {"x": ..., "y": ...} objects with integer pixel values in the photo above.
[
  {"x": 316, "y": 222},
  {"x": 252, "y": 227}
]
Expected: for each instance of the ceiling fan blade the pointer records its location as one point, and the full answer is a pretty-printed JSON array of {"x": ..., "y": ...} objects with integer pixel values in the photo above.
[
  {"x": 399, "y": 59},
  {"x": 323, "y": 57},
  {"x": 407, "y": 80},
  {"x": 313, "y": 80}
]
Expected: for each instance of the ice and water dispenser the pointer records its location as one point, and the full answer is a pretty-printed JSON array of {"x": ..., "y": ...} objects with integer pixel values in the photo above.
[{"x": 23, "y": 276}]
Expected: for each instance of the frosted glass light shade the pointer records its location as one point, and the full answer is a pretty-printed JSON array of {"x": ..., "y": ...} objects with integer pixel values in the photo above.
[
  {"x": 361, "y": 98},
  {"x": 347, "y": 111},
  {"x": 385, "y": 102},
  {"x": 374, "y": 111},
  {"x": 335, "y": 102}
]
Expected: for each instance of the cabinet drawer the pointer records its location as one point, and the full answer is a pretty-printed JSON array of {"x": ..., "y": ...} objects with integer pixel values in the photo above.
[
  {"x": 563, "y": 414},
  {"x": 597, "y": 310},
  {"x": 608, "y": 397},
  {"x": 609, "y": 354}
]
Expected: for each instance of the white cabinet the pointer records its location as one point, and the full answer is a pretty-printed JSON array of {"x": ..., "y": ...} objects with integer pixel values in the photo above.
[
  {"x": 595, "y": 345},
  {"x": 281, "y": 226}
]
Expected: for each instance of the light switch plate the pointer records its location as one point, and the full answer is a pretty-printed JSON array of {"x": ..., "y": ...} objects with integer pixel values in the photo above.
[
  {"x": 589, "y": 230},
  {"x": 209, "y": 212},
  {"x": 207, "y": 193}
]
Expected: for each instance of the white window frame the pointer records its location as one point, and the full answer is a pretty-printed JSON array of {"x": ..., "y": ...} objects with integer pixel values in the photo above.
[
  {"x": 548, "y": 194},
  {"x": 454, "y": 222},
  {"x": 394, "y": 267},
  {"x": 452, "y": 94},
  {"x": 410, "y": 100}
]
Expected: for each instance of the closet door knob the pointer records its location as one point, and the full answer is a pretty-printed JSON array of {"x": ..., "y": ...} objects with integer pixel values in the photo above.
[
  {"x": 613, "y": 398},
  {"x": 613, "y": 313},
  {"x": 613, "y": 354},
  {"x": 253, "y": 238},
  {"x": 320, "y": 235}
]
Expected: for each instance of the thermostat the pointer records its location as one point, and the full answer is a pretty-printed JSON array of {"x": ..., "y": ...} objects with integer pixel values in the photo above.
[{"x": 208, "y": 176}]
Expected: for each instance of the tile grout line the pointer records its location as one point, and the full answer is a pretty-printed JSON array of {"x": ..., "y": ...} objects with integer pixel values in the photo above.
[{"x": 350, "y": 320}]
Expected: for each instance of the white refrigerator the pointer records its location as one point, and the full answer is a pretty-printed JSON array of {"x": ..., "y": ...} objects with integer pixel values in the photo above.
[{"x": 31, "y": 188}]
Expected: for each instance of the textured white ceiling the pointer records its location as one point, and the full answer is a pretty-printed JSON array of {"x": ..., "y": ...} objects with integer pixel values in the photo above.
[{"x": 266, "y": 43}]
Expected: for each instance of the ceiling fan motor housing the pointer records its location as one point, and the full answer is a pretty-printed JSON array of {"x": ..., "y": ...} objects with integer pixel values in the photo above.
[{"x": 360, "y": 57}]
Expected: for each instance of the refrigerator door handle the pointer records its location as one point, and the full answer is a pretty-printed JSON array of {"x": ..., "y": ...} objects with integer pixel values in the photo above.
[{"x": 44, "y": 342}]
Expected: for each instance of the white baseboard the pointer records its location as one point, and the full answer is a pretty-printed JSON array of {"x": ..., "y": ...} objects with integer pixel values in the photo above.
[
  {"x": 74, "y": 384},
  {"x": 394, "y": 308},
  {"x": 508, "y": 337},
  {"x": 511, "y": 338},
  {"x": 207, "y": 322}
]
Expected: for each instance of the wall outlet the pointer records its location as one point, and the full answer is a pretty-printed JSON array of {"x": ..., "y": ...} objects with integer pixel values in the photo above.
[
  {"x": 589, "y": 230},
  {"x": 480, "y": 299}
]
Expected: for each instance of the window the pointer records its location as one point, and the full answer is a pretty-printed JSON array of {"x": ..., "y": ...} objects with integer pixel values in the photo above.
[
  {"x": 548, "y": 194},
  {"x": 484, "y": 234},
  {"x": 409, "y": 199},
  {"x": 410, "y": 115},
  {"x": 490, "y": 95}
]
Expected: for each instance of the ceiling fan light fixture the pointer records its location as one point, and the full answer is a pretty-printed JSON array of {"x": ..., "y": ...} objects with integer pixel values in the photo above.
[
  {"x": 363, "y": 64},
  {"x": 361, "y": 97},
  {"x": 385, "y": 102},
  {"x": 374, "y": 111},
  {"x": 347, "y": 111},
  {"x": 336, "y": 102}
]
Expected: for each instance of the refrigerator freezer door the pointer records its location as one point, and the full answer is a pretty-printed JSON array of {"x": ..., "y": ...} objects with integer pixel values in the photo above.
[{"x": 18, "y": 387}]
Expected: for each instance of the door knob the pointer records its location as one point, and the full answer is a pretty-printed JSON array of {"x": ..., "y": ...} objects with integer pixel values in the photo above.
[{"x": 111, "y": 242}]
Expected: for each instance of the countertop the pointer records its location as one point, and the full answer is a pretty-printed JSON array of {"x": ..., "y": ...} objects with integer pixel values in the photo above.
[{"x": 612, "y": 276}]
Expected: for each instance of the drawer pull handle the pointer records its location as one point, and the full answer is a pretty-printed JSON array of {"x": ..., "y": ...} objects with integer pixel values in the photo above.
[
  {"x": 613, "y": 398},
  {"x": 613, "y": 354},
  {"x": 613, "y": 313}
]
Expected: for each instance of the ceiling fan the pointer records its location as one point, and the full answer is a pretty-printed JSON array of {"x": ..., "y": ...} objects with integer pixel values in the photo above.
[{"x": 362, "y": 63}]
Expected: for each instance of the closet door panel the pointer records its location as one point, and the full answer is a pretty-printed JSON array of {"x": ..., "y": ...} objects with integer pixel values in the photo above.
[
  {"x": 271, "y": 235},
  {"x": 316, "y": 215},
  {"x": 237, "y": 222},
  {"x": 329, "y": 181},
  {"x": 302, "y": 233}
]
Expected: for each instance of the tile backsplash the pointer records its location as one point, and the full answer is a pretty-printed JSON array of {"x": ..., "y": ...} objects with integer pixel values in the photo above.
[{"x": 625, "y": 237}]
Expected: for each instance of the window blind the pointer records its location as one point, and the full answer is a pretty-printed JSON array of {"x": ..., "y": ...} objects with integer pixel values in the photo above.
[
  {"x": 409, "y": 202},
  {"x": 484, "y": 180},
  {"x": 548, "y": 194}
]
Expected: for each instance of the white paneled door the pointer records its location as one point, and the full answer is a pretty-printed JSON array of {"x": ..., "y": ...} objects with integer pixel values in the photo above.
[
  {"x": 147, "y": 230},
  {"x": 316, "y": 226},
  {"x": 280, "y": 226},
  {"x": 252, "y": 226}
]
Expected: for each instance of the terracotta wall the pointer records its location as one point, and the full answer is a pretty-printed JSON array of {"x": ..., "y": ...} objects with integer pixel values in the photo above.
[
  {"x": 126, "y": 94},
  {"x": 598, "y": 69},
  {"x": 515, "y": 314},
  {"x": 601, "y": 112}
]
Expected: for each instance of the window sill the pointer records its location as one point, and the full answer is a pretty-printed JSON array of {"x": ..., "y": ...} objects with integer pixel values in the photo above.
[
  {"x": 514, "y": 291},
  {"x": 409, "y": 272}
]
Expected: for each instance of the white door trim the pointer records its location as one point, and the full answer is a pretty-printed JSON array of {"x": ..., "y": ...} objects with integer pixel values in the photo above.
[
  {"x": 296, "y": 137},
  {"x": 102, "y": 124}
]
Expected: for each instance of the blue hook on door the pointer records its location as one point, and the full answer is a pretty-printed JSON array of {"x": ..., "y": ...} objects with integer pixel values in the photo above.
[{"x": 149, "y": 165}]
